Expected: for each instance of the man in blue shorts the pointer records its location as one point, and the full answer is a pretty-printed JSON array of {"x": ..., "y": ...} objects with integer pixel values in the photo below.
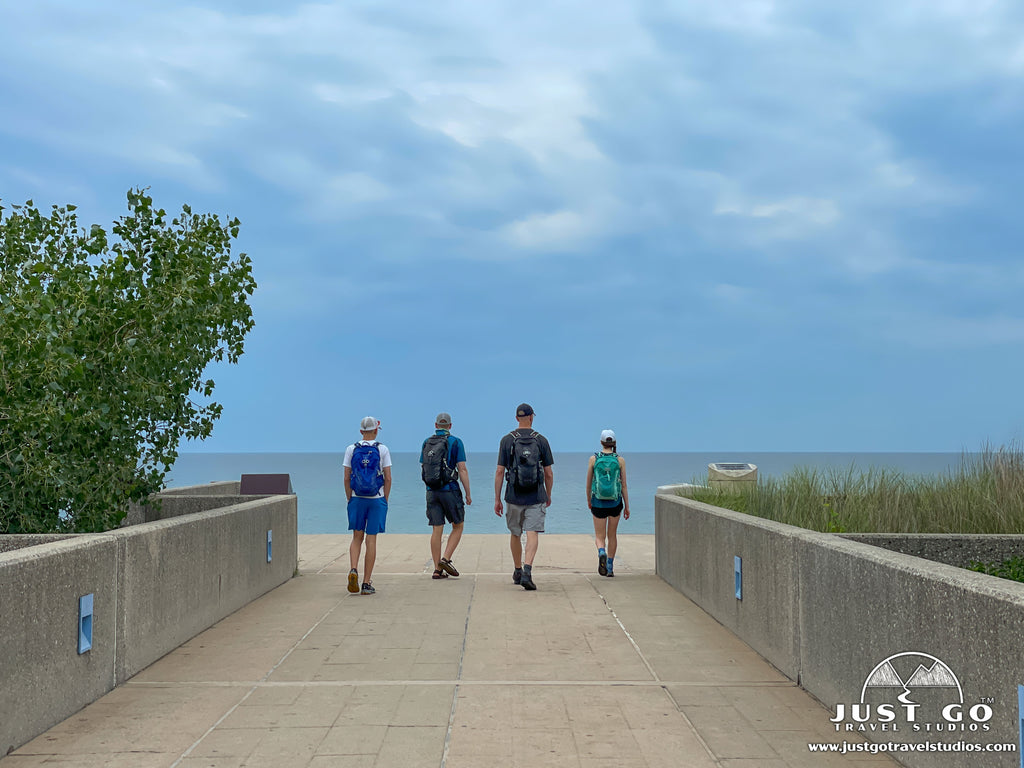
[
  {"x": 443, "y": 460},
  {"x": 367, "y": 487},
  {"x": 525, "y": 460}
]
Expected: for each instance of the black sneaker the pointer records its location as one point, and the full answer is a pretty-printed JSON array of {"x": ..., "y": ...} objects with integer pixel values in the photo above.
[
  {"x": 368, "y": 589},
  {"x": 353, "y": 581},
  {"x": 602, "y": 564},
  {"x": 527, "y": 582},
  {"x": 517, "y": 576}
]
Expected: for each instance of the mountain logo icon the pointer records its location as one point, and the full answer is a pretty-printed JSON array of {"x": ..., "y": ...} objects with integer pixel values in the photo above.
[{"x": 919, "y": 670}]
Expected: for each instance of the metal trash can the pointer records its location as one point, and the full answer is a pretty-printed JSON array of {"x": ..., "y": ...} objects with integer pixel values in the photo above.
[{"x": 733, "y": 477}]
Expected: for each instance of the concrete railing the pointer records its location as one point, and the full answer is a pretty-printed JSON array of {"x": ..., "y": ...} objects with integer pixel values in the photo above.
[
  {"x": 153, "y": 586},
  {"x": 827, "y": 611}
]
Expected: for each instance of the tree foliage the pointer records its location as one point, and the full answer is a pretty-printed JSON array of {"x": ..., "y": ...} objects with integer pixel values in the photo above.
[{"x": 104, "y": 340}]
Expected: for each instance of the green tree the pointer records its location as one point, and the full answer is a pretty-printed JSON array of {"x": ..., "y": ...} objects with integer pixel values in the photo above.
[{"x": 104, "y": 340}]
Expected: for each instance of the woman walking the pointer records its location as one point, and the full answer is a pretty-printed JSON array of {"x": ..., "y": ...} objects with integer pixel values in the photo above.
[{"x": 607, "y": 497}]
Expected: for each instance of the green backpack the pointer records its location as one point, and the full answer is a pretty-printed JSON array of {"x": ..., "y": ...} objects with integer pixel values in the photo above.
[{"x": 607, "y": 485}]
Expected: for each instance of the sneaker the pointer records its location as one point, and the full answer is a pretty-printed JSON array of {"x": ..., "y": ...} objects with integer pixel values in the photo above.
[
  {"x": 610, "y": 572},
  {"x": 602, "y": 564},
  {"x": 517, "y": 576},
  {"x": 527, "y": 582},
  {"x": 353, "y": 581},
  {"x": 446, "y": 565},
  {"x": 368, "y": 589},
  {"x": 439, "y": 574}
]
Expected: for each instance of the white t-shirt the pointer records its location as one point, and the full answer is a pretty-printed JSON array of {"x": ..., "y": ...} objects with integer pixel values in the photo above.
[{"x": 385, "y": 460}]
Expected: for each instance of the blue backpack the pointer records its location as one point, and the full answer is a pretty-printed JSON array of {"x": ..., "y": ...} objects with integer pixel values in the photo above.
[{"x": 367, "y": 473}]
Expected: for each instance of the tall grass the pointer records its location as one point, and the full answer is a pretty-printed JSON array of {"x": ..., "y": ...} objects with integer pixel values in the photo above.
[{"x": 985, "y": 494}]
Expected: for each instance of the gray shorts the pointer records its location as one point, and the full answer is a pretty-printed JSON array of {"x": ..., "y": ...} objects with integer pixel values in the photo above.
[{"x": 521, "y": 518}]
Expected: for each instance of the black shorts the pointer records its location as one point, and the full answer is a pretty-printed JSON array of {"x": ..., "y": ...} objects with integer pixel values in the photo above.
[
  {"x": 445, "y": 505},
  {"x": 603, "y": 512}
]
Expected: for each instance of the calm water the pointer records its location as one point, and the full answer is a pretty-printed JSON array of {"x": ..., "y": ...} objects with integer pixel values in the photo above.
[{"x": 316, "y": 478}]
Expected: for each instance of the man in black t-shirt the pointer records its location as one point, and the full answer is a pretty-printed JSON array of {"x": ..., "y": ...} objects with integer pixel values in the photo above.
[{"x": 525, "y": 460}]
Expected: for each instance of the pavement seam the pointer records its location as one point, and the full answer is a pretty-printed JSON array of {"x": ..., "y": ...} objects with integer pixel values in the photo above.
[
  {"x": 254, "y": 687},
  {"x": 650, "y": 669},
  {"x": 459, "y": 682},
  {"x": 458, "y": 678}
]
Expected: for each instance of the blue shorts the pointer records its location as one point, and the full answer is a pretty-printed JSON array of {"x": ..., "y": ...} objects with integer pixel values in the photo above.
[{"x": 367, "y": 514}]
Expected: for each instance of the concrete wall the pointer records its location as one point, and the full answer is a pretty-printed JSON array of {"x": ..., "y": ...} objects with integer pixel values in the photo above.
[
  {"x": 155, "y": 585},
  {"x": 958, "y": 550},
  {"x": 43, "y": 679},
  {"x": 826, "y": 610},
  {"x": 176, "y": 506},
  {"x": 217, "y": 488},
  {"x": 694, "y": 553},
  {"x": 11, "y": 542}
]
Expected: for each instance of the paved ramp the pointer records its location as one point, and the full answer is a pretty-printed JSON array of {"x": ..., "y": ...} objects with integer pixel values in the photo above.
[{"x": 456, "y": 673}]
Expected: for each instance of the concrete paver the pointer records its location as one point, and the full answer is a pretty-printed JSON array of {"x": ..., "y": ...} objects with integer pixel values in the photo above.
[{"x": 455, "y": 673}]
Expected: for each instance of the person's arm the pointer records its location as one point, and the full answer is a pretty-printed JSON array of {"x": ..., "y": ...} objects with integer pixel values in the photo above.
[
  {"x": 549, "y": 482},
  {"x": 348, "y": 483},
  {"x": 499, "y": 478},
  {"x": 464, "y": 478},
  {"x": 625, "y": 491},
  {"x": 590, "y": 482},
  {"x": 387, "y": 483}
]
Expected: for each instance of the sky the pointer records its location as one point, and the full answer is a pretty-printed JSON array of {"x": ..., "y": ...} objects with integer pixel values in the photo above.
[{"x": 743, "y": 226}]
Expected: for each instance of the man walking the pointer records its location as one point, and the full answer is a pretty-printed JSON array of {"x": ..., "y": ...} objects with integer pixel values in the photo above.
[
  {"x": 367, "y": 487},
  {"x": 443, "y": 460},
  {"x": 525, "y": 460}
]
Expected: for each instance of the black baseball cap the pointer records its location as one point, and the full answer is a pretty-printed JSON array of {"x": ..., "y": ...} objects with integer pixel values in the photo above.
[{"x": 524, "y": 409}]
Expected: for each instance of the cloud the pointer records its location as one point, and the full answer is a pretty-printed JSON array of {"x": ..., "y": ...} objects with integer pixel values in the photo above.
[
  {"x": 798, "y": 168},
  {"x": 949, "y": 332},
  {"x": 562, "y": 230},
  {"x": 790, "y": 218}
]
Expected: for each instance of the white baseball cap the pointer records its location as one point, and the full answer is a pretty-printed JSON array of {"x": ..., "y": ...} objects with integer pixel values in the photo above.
[
  {"x": 607, "y": 436},
  {"x": 368, "y": 424}
]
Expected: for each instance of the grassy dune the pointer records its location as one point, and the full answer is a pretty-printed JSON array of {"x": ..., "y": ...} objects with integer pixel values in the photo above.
[{"x": 985, "y": 494}]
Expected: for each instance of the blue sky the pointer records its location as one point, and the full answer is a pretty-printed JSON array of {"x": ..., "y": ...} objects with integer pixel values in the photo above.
[{"x": 754, "y": 225}]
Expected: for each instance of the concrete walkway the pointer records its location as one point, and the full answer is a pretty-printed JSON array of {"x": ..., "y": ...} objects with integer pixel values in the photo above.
[{"x": 468, "y": 672}]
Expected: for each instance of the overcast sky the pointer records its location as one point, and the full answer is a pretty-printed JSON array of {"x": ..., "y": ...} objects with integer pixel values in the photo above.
[{"x": 752, "y": 225}]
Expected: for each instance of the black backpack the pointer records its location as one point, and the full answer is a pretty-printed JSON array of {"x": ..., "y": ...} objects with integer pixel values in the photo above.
[
  {"x": 437, "y": 472},
  {"x": 526, "y": 469}
]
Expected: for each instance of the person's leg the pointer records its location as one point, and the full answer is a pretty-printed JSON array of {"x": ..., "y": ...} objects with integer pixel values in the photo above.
[
  {"x": 600, "y": 527},
  {"x": 354, "y": 547},
  {"x": 532, "y": 541},
  {"x": 353, "y": 559},
  {"x": 454, "y": 513},
  {"x": 516, "y": 545},
  {"x": 371, "y": 558},
  {"x": 600, "y": 535},
  {"x": 526, "y": 580},
  {"x": 435, "y": 544},
  {"x": 613, "y": 526},
  {"x": 453, "y": 540}
]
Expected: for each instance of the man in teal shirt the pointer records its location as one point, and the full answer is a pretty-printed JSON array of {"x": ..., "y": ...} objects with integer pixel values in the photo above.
[{"x": 445, "y": 502}]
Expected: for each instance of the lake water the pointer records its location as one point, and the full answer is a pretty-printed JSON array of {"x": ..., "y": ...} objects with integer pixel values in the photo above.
[{"x": 317, "y": 480}]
